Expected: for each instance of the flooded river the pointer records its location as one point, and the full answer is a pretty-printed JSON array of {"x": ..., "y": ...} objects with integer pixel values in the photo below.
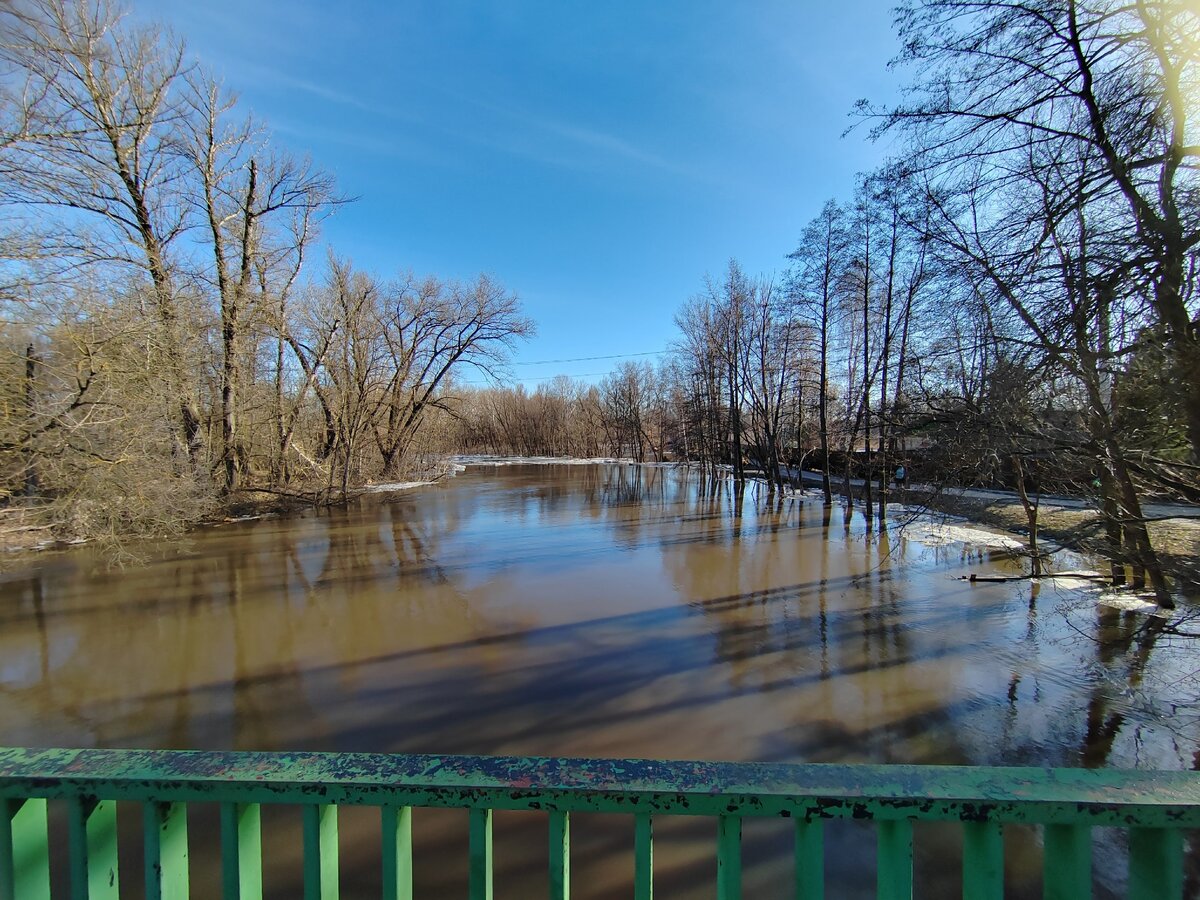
[{"x": 597, "y": 610}]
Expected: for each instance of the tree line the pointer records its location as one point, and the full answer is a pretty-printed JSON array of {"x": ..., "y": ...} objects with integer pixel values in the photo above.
[
  {"x": 168, "y": 342},
  {"x": 1011, "y": 299}
]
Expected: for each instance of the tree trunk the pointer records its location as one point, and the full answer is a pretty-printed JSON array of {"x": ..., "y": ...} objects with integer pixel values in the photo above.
[
  {"x": 866, "y": 395},
  {"x": 735, "y": 424},
  {"x": 32, "y": 484},
  {"x": 231, "y": 302},
  {"x": 823, "y": 401},
  {"x": 1031, "y": 514},
  {"x": 1112, "y": 527},
  {"x": 886, "y": 352}
]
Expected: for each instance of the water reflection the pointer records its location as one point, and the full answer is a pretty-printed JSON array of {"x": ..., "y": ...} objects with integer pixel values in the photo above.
[{"x": 589, "y": 610}]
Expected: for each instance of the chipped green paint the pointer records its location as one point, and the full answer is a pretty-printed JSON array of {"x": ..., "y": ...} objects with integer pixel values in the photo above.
[
  {"x": 92, "y": 848},
  {"x": 166, "y": 854},
  {"x": 1153, "y": 806},
  {"x": 974, "y": 794}
]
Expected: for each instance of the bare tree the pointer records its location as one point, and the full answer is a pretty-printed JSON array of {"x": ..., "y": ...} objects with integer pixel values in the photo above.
[
  {"x": 109, "y": 161},
  {"x": 768, "y": 371},
  {"x": 239, "y": 201},
  {"x": 429, "y": 329},
  {"x": 820, "y": 260},
  {"x": 1102, "y": 82}
]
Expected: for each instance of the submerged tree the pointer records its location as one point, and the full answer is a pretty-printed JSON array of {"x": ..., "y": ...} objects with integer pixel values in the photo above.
[{"x": 819, "y": 260}]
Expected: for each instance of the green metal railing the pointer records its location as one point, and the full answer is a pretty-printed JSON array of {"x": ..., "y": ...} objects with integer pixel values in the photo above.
[{"x": 1155, "y": 808}]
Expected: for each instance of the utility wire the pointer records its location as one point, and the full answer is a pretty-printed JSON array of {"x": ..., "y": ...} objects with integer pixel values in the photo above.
[
  {"x": 546, "y": 362},
  {"x": 547, "y": 378}
]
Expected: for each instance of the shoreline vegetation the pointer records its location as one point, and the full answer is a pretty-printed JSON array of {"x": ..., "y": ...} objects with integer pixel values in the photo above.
[{"x": 943, "y": 515}]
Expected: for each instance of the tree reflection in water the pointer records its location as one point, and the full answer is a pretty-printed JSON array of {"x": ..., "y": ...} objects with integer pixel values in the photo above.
[{"x": 590, "y": 610}]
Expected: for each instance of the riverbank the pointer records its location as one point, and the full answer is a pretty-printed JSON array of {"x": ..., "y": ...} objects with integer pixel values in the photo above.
[
  {"x": 1175, "y": 539},
  {"x": 1065, "y": 522},
  {"x": 25, "y": 530},
  {"x": 1070, "y": 523}
]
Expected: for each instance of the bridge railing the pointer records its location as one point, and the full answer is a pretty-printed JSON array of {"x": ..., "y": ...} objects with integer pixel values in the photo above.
[{"x": 1154, "y": 807}]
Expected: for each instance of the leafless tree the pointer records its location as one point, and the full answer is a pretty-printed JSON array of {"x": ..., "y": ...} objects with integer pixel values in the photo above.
[
  {"x": 1110, "y": 83},
  {"x": 819, "y": 261},
  {"x": 108, "y": 93},
  {"x": 430, "y": 328}
]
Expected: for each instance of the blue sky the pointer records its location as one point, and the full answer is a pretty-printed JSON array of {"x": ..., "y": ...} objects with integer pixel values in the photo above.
[{"x": 599, "y": 159}]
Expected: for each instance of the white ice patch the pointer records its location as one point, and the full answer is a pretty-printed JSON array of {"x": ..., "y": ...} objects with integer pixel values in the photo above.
[
  {"x": 934, "y": 534},
  {"x": 1073, "y": 584},
  {"x": 538, "y": 460},
  {"x": 802, "y": 494},
  {"x": 389, "y": 486},
  {"x": 1075, "y": 580},
  {"x": 1133, "y": 602}
]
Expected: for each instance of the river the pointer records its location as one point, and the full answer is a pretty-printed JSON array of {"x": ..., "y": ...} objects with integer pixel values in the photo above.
[{"x": 589, "y": 610}]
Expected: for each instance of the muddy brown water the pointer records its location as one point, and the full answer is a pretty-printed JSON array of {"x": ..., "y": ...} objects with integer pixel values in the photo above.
[{"x": 598, "y": 610}]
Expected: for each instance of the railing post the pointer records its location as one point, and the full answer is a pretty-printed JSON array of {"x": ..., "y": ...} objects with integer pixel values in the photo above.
[
  {"x": 1066, "y": 862},
  {"x": 241, "y": 851},
  {"x": 92, "y": 849},
  {"x": 480, "y": 886},
  {"x": 729, "y": 857},
  {"x": 164, "y": 827},
  {"x": 983, "y": 861},
  {"x": 894, "y": 859},
  {"x": 643, "y": 857},
  {"x": 560, "y": 855},
  {"x": 24, "y": 850},
  {"x": 320, "y": 852},
  {"x": 397, "y": 853},
  {"x": 1155, "y": 864},
  {"x": 1157, "y": 810},
  {"x": 810, "y": 860}
]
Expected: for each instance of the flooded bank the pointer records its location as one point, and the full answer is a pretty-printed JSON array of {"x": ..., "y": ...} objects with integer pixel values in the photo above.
[{"x": 600, "y": 610}]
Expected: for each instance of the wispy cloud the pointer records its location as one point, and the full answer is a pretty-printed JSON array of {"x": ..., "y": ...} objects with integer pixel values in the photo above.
[
  {"x": 559, "y": 142},
  {"x": 238, "y": 72},
  {"x": 606, "y": 143},
  {"x": 355, "y": 140},
  {"x": 327, "y": 93}
]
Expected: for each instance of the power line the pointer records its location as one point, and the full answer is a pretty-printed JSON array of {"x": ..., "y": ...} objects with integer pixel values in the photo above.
[
  {"x": 546, "y": 362},
  {"x": 547, "y": 378}
]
